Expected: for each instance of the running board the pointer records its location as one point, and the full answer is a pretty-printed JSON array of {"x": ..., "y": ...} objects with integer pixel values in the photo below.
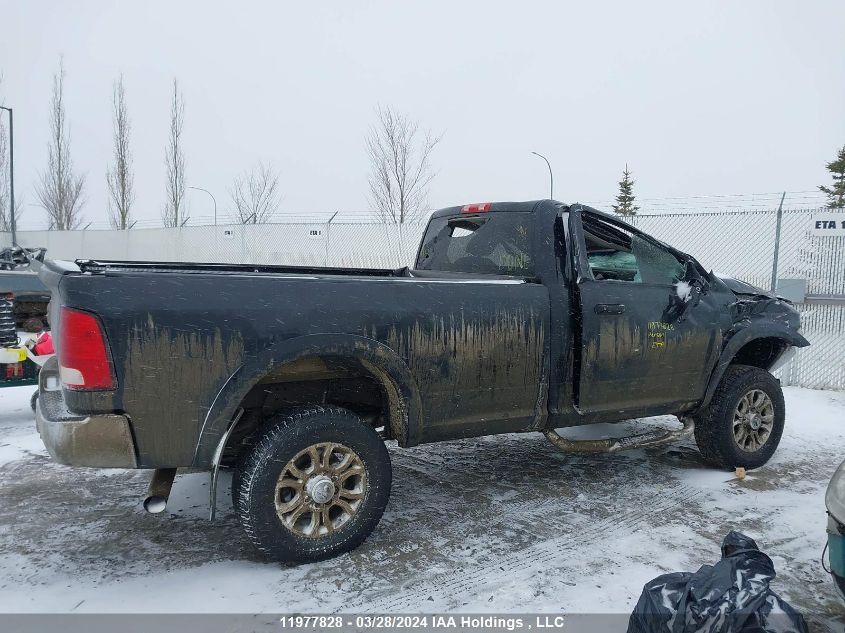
[{"x": 612, "y": 445}]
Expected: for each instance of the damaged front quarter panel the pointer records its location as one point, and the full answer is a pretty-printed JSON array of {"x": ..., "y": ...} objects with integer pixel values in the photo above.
[
  {"x": 755, "y": 307},
  {"x": 757, "y": 317}
]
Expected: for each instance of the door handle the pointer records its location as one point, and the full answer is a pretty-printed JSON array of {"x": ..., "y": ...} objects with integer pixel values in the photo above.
[{"x": 610, "y": 308}]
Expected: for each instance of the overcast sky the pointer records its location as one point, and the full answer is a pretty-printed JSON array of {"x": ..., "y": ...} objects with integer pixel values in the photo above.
[{"x": 716, "y": 98}]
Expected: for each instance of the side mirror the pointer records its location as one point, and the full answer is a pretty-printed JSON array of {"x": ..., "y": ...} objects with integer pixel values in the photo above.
[
  {"x": 691, "y": 286},
  {"x": 691, "y": 271},
  {"x": 693, "y": 275}
]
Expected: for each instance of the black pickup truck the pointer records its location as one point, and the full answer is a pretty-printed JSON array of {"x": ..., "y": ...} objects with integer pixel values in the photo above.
[{"x": 517, "y": 317}]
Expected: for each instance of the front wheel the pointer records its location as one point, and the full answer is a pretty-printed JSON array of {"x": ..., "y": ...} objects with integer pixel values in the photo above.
[
  {"x": 314, "y": 485},
  {"x": 743, "y": 423}
]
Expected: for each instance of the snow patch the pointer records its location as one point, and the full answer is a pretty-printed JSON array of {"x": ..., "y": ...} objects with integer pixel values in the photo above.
[
  {"x": 547, "y": 532},
  {"x": 684, "y": 291}
]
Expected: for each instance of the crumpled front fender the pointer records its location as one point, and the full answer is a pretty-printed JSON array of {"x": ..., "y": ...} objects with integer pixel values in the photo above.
[{"x": 778, "y": 322}]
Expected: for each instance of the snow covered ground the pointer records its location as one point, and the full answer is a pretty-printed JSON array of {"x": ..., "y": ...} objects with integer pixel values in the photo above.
[{"x": 498, "y": 524}]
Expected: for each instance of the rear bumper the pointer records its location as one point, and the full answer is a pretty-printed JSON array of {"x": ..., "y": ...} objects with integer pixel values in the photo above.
[{"x": 100, "y": 441}]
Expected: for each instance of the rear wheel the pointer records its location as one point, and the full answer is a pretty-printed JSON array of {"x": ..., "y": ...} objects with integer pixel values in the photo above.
[
  {"x": 744, "y": 422},
  {"x": 314, "y": 485}
]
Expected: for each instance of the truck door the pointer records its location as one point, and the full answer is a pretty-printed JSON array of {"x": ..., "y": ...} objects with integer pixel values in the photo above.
[{"x": 643, "y": 347}]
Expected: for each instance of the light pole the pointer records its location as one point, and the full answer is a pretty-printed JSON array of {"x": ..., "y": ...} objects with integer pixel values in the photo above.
[
  {"x": 12, "y": 172},
  {"x": 212, "y": 197},
  {"x": 551, "y": 176}
]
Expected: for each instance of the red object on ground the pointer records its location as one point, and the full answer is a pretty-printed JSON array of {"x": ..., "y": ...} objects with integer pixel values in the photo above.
[{"x": 44, "y": 345}]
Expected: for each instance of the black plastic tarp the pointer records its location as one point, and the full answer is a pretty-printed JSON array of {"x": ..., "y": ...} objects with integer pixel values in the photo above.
[{"x": 732, "y": 596}]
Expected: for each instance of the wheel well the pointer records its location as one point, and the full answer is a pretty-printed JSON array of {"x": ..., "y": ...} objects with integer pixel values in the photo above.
[
  {"x": 350, "y": 383},
  {"x": 761, "y": 352}
]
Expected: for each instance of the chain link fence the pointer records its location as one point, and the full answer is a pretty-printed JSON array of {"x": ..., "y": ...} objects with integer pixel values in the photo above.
[
  {"x": 748, "y": 246},
  {"x": 745, "y": 245}
]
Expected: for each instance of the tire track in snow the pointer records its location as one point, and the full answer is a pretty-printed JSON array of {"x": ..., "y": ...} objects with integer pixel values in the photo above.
[{"x": 448, "y": 588}]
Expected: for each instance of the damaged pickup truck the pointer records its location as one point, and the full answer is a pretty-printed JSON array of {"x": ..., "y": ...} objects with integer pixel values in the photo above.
[{"x": 517, "y": 317}]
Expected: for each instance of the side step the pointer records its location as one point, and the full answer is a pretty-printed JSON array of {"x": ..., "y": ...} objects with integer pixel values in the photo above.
[{"x": 612, "y": 445}]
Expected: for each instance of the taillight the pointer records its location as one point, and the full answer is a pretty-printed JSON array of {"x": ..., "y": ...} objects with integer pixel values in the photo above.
[
  {"x": 84, "y": 360},
  {"x": 480, "y": 207}
]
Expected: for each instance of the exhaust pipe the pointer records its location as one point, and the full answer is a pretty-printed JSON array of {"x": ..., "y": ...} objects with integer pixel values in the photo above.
[{"x": 159, "y": 490}]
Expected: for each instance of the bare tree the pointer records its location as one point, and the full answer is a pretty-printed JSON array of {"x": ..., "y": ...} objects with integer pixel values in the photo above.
[
  {"x": 399, "y": 166},
  {"x": 60, "y": 189},
  {"x": 120, "y": 178},
  {"x": 5, "y": 185},
  {"x": 173, "y": 213},
  {"x": 256, "y": 195}
]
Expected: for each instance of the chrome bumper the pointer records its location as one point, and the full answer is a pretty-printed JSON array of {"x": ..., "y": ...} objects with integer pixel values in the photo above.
[{"x": 100, "y": 441}]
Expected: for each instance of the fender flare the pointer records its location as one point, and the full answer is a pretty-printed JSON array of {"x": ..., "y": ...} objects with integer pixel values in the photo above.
[
  {"x": 741, "y": 338},
  {"x": 388, "y": 367}
]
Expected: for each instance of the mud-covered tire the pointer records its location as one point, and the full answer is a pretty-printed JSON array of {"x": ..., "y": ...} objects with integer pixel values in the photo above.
[
  {"x": 257, "y": 497},
  {"x": 714, "y": 426},
  {"x": 34, "y": 400}
]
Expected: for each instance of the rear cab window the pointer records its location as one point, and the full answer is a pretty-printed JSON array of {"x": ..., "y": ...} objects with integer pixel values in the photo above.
[{"x": 498, "y": 243}]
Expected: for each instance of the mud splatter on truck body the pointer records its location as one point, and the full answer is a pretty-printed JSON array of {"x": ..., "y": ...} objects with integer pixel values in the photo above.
[{"x": 479, "y": 365}]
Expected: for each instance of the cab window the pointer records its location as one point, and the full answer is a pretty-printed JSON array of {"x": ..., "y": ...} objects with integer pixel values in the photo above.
[
  {"x": 614, "y": 253},
  {"x": 497, "y": 243}
]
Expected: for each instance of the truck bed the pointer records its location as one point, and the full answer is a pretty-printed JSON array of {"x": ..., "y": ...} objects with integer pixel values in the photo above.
[{"x": 189, "y": 340}]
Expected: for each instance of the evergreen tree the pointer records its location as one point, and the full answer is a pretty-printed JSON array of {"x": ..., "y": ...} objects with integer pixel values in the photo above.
[
  {"x": 836, "y": 193},
  {"x": 625, "y": 200}
]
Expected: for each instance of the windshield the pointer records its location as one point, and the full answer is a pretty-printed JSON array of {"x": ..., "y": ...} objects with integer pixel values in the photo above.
[{"x": 493, "y": 243}]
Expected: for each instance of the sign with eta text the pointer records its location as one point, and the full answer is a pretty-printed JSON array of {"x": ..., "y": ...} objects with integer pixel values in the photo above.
[{"x": 830, "y": 224}]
